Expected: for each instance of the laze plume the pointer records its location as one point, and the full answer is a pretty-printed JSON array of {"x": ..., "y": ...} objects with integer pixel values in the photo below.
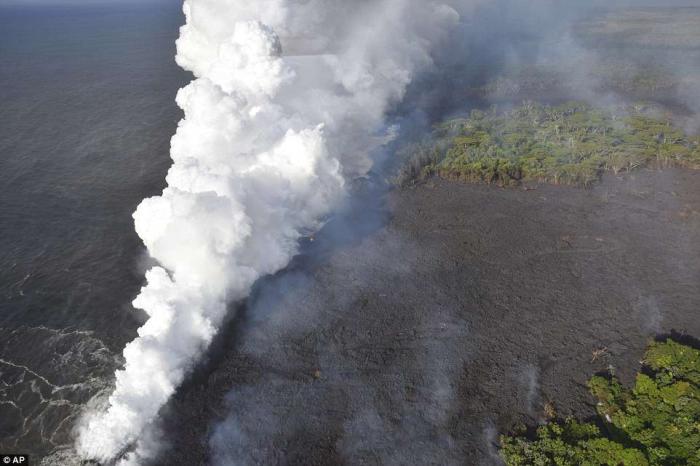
[{"x": 288, "y": 102}]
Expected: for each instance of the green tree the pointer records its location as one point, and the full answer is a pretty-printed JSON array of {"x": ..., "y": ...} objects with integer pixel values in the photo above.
[
  {"x": 656, "y": 423},
  {"x": 567, "y": 144}
]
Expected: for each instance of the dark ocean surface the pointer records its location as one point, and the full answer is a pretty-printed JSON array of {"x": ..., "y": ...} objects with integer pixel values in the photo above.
[{"x": 86, "y": 114}]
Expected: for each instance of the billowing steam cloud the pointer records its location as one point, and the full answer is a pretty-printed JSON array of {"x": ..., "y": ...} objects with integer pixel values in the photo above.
[{"x": 288, "y": 103}]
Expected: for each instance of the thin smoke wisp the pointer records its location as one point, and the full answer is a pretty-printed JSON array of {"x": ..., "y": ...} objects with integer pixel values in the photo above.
[{"x": 287, "y": 104}]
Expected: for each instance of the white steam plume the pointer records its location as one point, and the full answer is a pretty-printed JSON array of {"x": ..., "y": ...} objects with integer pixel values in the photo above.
[{"x": 261, "y": 156}]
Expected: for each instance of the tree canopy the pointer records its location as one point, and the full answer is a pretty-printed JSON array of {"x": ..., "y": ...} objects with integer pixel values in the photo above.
[
  {"x": 655, "y": 423},
  {"x": 566, "y": 144}
]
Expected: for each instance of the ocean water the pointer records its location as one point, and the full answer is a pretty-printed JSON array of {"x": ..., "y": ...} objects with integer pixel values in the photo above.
[{"x": 86, "y": 114}]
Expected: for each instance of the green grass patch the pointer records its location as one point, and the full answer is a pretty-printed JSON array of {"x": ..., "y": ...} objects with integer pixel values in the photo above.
[
  {"x": 566, "y": 144},
  {"x": 655, "y": 423}
]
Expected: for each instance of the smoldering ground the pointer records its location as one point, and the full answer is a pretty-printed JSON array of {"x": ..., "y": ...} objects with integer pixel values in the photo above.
[
  {"x": 605, "y": 53},
  {"x": 463, "y": 316}
]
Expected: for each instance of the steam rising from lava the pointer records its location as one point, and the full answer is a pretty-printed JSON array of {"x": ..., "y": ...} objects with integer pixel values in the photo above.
[{"x": 261, "y": 157}]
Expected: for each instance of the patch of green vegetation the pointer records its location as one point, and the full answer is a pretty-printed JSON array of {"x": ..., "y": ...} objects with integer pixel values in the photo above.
[
  {"x": 656, "y": 423},
  {"x": 566, "y": 144}
]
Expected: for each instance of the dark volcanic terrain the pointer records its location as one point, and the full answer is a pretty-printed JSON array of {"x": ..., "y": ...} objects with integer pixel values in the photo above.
[{"x": 462, "y": 316}]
